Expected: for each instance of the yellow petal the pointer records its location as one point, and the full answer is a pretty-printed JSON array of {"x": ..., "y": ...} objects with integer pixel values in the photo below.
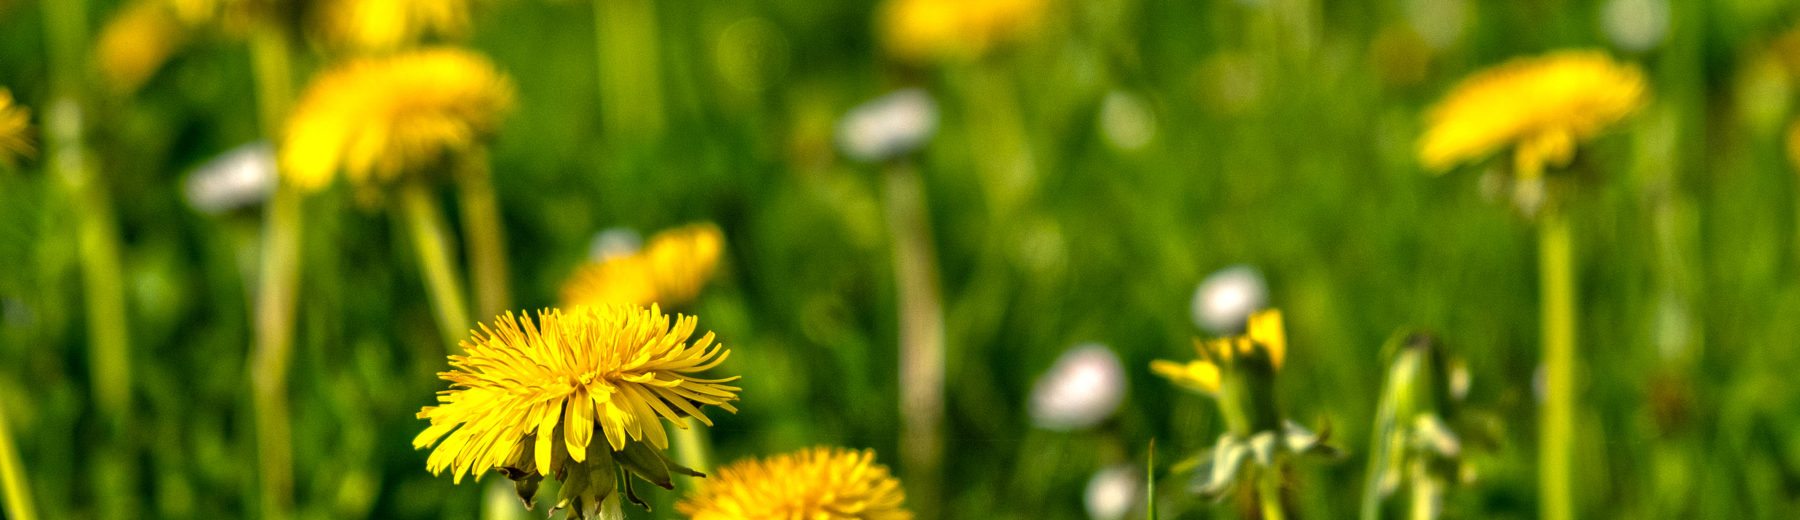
[
  {"x": 1266, "y": 330},
  {"x": 1198, "y": 375}
]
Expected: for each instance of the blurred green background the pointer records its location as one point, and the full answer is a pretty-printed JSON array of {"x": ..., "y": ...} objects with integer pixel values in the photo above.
[{"x": 1159, "y": 141}]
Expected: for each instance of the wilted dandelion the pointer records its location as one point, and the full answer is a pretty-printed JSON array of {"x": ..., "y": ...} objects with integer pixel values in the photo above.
[
  {"x": 385, "y": 25},
  {"x": 927, "y": 30},
  {"x": 1541, "y": 107},
  {"x": 240, "y": 177},
  {"x": 889, "y": 126},
  {"x": 816, "y": 483},
  {"x": 380, "y": 119},
  {"x": 136, "y": 42},
  {"x": 529, "y": 399},
  {"x": 669, "y": 270},
  {"x": 15, "y": 130}
]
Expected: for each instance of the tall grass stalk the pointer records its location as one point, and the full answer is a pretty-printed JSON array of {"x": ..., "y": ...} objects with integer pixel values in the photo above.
[
  {"x": 625, "y": 42},
  {"x": 431, "y": 240},
  {"x": 922, "y": 349},
  {"x": 15, "y": 489},
  {"x": 1557, "y": 423},
  {"x": 277, "y": 279}
]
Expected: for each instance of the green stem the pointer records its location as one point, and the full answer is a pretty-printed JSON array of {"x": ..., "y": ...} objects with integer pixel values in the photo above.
[
  {"x": 486, "y": 248},
  {"x": 277, "y": 280},
  {"x": 1557, "y": 428},
  {"x": 693, "y": 448},
  {"x": 13, "y": 484},
  {"x": 922, "y": 349},
  {"x": 631, "y": 90},
  {"x": 431, "y": 240},
  {"x": 1268, "y": 494},
  {"x": 1427, "y": 494}
]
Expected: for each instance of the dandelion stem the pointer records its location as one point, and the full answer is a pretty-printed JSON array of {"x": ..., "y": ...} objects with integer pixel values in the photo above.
[
  {"x": 1268, "y": 494},
  {"x": 13, "y": 485},
  {"x": 487, "y": 238},
  {"x": 278, "y": 276},
  {"x": 1427, "y": 493},
  {"x": 1556, "y": 431},
  {"x": 922, "y": 349},
  {"x": 431, "y": 239}
]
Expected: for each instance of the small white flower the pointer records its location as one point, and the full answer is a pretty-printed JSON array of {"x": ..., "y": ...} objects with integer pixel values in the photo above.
[
  {"x": 241, "y": 177},
  {"x": 1225, "y": 299},
  {"x": 888, "y": 126},
  {"x": 1112, "y": 492},
  {"x": 1083, "y": 388},
  {"x": 614, "y": 242}
]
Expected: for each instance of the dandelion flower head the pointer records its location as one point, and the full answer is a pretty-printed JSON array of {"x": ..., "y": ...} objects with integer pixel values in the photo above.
[
  {"x": 386, "y": 25},
  {"x": 534, "y": 396},
  {"x": 817, "y": 483},
  {"x": 928, "y": 30},
  {"x": 15, "y": 130},
  {"x": 379, "y": 119},
  {"x": 670, "y": 270},
  {"x": 136, "y": 42},
  {"x": 1265, "y": 335},
  {"x": 1541, "y": 106}
]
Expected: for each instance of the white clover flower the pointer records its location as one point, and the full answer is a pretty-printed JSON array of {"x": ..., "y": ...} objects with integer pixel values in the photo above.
[
  {"x": 1225, "y": 299},
  {"x": 1113, "y": 491},
  {"x": 239, "y": 178},
  {"x": 888, "y": 126},
  {"x": 1083, "y": 388}
]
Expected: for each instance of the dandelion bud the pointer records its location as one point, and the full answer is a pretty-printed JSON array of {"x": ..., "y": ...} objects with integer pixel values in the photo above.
[
  {"x": 240, "y": 177},
  {"x": 1226, "y": 299},
  {"x": 1083, "y": 388},
  {"x": 1113, "y": 491},
  {"x": 888, "y": 126}
]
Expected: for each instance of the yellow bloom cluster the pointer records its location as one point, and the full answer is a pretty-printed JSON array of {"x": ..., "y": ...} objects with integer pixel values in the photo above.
[
  {"x": 819, "y": 483},
  {"x": 927, "y": 30},
  {"x": 530, "y": 395},
  {"x": 382, "y": 118},
  {"x": 385, "y": 25},
  {"x": 15, "y": 130},
  {"x": 1265, "y": 333},
  {"x": 670, "y": 270},
  {"x": 1541, "y": 106}
]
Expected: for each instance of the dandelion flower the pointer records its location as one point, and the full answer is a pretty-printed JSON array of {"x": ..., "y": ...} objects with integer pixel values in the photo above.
[
  {"x": 1265, "y": 335},
  {"x": 927, "y": 30},
  {"x": 379, "y": 119},
  {"x": 136, "y": 42},
  {"x": 818, "y": 483},
  {"x": 530, "y": 399},
  {"x": 669, "y": 270},
  {"x": 1541, "y": 107},
  {"x": 15, "y": 130},
  {"x": 385, "y": 25}
]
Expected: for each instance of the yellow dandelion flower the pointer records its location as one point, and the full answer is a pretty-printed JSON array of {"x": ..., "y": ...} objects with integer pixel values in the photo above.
[
  {"x": 927, "y": 30},
  {"x": 1265, "y": 333},
  {"x": 1541, "y": 106},
  {"x": 670, "y": 270},
  {"x": 381, "y": 118},
  {"x": 819, "y": 483},
  {"x": 385, "y": 25},
  {"x": 530, "y": 399},
  {"x": 136, "y": 42},
  {"x": 15, "y": 130}
]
